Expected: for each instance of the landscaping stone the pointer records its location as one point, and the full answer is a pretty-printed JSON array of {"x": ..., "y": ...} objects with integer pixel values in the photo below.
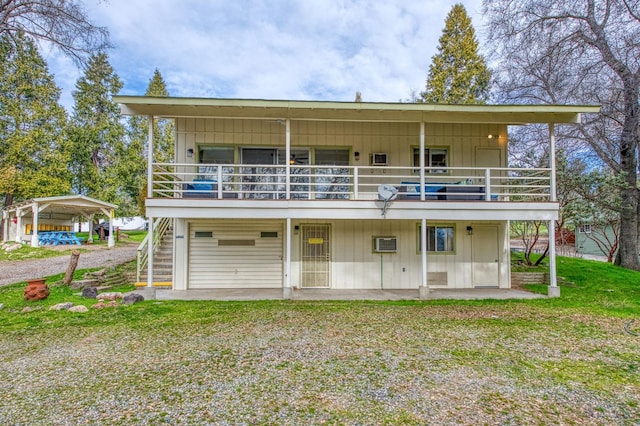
[
  {"x": 101, "y": 305},
  {"x": 11, "y": 247},
  {"x": 27, "y": 309},
  {"x": 80, "y": 284},
  {"x": 79, "y": 308},
  {"x": 132, "y": 298},
  {"x": 1, "y": 306},
  {"x": 61, "y": 306},
  {"x": 110, "y": 296},
  {"x": 90, "y": 292}
]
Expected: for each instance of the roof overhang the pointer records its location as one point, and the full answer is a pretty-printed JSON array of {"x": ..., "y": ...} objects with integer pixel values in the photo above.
[{"x": 171, "y": 107}]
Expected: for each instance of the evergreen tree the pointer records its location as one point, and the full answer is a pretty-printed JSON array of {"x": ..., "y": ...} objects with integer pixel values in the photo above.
[
  {"x": 163, "y": 142},
  {"x": 458, "y": 73},
  {"x": 96, "y": 131},
  {"x": 32, "y": 123}
]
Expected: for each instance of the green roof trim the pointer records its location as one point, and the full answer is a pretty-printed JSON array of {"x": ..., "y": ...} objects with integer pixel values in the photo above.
[{"x": 175, "y": 107}]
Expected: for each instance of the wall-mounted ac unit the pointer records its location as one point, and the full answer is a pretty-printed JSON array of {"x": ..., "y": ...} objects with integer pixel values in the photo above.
[
  {"x": 379, "y": 159},
  {"x": 386, "y": 245}
]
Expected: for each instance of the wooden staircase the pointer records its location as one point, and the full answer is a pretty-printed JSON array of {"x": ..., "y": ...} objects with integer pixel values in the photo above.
[{"x": 162, "y": 262}]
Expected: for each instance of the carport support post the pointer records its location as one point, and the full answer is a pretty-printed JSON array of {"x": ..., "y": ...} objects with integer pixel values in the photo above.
[
  {"x": 111, "y": 241},
  {"x": 287, "y": 292},
  {"x": 5, "y": 226},
  {"x": 18, "y": 225},
  {"x": 90, "y": 237},
  {"x": 34, "y": 236},
  {"x": 424, "y": 285}
]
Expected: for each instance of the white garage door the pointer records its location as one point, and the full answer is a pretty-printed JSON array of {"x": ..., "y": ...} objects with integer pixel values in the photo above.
[{"x": 225, "y": 254}]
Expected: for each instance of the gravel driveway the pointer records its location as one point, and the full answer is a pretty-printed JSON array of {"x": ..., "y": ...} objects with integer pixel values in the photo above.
[{"x": 14, "y": 271}]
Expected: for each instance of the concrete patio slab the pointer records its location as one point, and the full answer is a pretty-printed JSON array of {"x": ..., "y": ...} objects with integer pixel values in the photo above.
[{"x": 329, "y": 294}]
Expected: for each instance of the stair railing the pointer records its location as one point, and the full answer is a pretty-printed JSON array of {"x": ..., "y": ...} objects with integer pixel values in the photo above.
[{"x": 160, "y": 226}]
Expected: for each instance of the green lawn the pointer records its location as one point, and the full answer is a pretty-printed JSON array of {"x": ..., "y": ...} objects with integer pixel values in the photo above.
[{"x": 552, "y": 361}]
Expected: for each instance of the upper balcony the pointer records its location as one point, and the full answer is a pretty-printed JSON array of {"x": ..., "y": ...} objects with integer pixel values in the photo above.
[{"x": 355, "y": 183}]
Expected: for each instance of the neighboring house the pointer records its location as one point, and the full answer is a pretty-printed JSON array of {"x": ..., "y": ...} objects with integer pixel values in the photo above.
[
  {"x": 597, "y": 240},
  {"x": 290, "y": 194}
]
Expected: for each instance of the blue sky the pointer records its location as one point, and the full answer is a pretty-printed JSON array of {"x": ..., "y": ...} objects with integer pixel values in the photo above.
[{"x": 277, "y": 49}]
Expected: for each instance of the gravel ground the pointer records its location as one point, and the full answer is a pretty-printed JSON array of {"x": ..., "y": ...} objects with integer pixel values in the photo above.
[
  {"x": 97, "y": 256},
  {"x": 292, "y": 363}
]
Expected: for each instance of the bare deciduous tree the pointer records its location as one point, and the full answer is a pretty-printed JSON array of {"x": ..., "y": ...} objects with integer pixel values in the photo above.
[
  {"x": 63, "y": 23},
  {"x": 579, "y": 51}
]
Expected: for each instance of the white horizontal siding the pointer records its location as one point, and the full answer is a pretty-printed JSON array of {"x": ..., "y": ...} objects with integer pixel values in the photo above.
[{"x": 256, "y": 266}]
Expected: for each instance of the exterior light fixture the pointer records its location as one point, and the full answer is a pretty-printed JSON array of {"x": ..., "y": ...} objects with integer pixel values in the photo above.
[
  {"x": 356, "y": 155},
  {"x": 469, "y": 230},
  {"x": 190, "y": 152}
]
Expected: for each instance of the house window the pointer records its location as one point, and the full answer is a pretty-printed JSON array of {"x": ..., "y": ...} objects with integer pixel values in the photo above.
[
  {"x": 216, "y": 155},
  {"x": 433, "y": 157},
  {"x": 585, "y": 229},
  {"x": 439, "y": 238}
]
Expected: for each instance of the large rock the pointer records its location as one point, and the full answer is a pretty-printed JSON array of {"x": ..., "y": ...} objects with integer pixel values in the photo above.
[
  {"x": 80, "y": 284},
  {"x": 61, "y": 306},
  {"x": 110, "y": 296},
  {"x": 79, "y": 308},
  {"x": 12, "y": 247},
  {"x": 101, "y": 305},
  {"x": 132, "y": 298},
  {"x": 90, "y": 292}
]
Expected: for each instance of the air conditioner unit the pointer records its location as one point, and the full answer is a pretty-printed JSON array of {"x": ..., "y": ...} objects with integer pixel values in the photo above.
[
  {"x": 379, "y": 159},
  {"x": 386, "y": 245}
]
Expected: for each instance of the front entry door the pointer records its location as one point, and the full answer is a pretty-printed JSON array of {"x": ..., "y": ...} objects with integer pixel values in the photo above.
[
  {"x": 316, "y": 256},
  {"x": 485, "y": 256}
]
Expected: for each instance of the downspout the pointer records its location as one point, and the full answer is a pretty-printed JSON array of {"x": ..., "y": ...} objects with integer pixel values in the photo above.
[{"x": 554, "y": 290}]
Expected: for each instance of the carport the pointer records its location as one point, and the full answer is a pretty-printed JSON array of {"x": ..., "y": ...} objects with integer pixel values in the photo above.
[{"x": 22, "y": 221}]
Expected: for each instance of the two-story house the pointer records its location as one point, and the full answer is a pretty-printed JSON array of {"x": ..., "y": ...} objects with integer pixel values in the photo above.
[{"x": 269, "y": 194}]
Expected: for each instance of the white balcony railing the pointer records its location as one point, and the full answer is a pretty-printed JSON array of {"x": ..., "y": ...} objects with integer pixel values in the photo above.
[{"x": 246, "y": 181}]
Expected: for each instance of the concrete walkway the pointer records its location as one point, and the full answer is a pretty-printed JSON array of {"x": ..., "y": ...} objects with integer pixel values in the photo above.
[{"x": 328, "y": 294}]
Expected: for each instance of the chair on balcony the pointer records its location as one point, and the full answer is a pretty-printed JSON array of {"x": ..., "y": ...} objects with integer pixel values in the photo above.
[
  {"x": 204, "y": 188},
  {"x": 200, "y": 188}
]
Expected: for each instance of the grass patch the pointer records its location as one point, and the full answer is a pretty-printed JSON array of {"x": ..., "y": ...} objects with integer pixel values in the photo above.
[
  {"x": 26, "y": 252},
  {"x": 551, "y": 361}
]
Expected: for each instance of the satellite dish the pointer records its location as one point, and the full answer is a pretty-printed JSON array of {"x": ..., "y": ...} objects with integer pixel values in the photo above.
[{"x": 387, "y": 192}]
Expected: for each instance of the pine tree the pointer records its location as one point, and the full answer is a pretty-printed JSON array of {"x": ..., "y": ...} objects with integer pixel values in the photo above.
[
  {"x": 32, "y": 125},
  {"x": 96, "y": 131},
  {"x": 458, "y": 73}
]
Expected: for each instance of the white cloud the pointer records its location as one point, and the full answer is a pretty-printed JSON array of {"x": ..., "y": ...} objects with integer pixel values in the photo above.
[{"x": 305, "y": 49}]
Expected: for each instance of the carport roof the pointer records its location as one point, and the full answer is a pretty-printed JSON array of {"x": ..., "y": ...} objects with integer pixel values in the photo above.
[{"x": 73, "y": 205}]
